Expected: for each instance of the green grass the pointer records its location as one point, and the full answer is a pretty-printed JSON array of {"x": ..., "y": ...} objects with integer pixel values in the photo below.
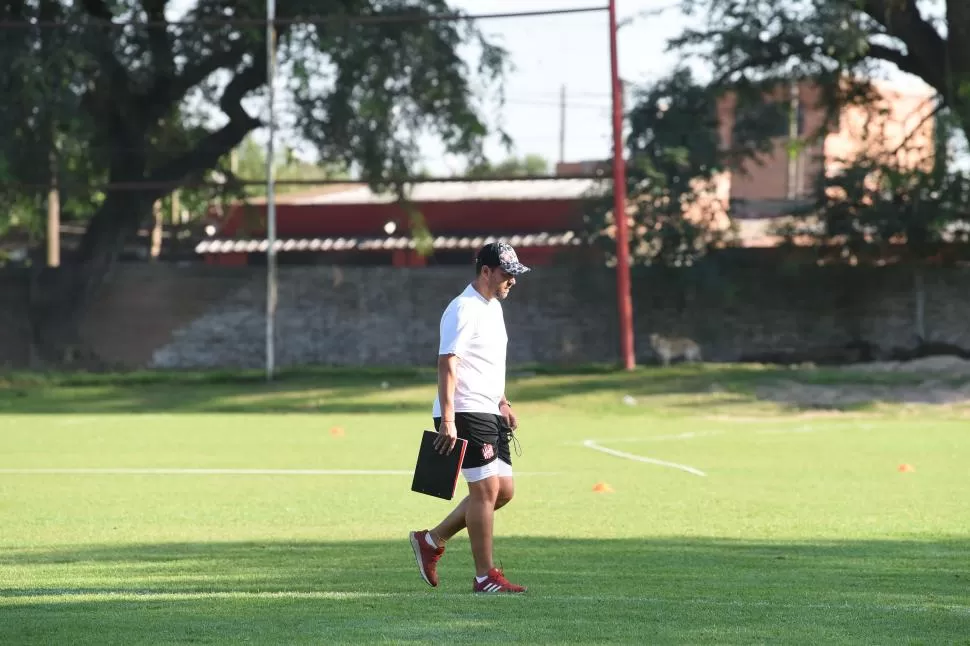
[{"x": 803, "y": 530}]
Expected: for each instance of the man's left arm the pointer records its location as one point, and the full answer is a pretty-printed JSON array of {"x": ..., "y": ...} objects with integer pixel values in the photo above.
[{"x": 505, "y": 406}]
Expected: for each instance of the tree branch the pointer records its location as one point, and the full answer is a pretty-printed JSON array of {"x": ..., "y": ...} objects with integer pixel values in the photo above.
[
  {"x": 903, "y": 61},
  {"x": 193, "y": 75},
  {"x": 160, "y": 43},
  {"x": 117, "y": 73},
  {"x": 926, "y": 50},
  {"x": 118, "y": 79},
  {"x": 207, "y": 152},
  {"x": 940, "y": 104}
]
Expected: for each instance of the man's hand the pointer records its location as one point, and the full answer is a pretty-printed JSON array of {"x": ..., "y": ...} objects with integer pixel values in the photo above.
[
  {"x": 510, "y": 419},
  {"x": 447, "y": 437}
]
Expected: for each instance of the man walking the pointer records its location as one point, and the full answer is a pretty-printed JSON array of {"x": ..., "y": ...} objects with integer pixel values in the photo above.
[{"x": 471, "y": 405}]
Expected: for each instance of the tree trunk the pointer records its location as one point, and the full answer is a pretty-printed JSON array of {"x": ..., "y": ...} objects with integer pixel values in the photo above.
[
  {"x": 919, "y": 297},
  {"x": 60, "y": 296}
]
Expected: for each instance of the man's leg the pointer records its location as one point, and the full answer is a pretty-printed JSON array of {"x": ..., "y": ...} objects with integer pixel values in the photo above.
[
  {"x": 482, "y": 436},
  {"x": 506, "y": 491},
  {"x": 455, "y": 521},
  {"x": 479, "y": 519},
  {"x": 494, "y": 581},
  {"x": 488, "y": 579}
]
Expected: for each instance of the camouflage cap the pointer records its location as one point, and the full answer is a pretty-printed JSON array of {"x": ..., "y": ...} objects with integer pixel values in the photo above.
[{"x": 501, "y": 254}]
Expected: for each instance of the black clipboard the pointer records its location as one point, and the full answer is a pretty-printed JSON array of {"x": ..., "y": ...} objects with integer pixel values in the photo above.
[{"x": 435, "y": 474}]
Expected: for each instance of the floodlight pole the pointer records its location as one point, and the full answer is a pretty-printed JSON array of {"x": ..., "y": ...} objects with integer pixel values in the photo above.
[
  {"x": 270, "y": 191},
  {"x": 624, "y": 301}
]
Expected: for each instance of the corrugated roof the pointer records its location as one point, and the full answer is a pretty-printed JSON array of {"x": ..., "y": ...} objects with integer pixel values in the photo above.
[
  {"x": 545, "y": 239},
  {"x": 300, "y": 196},
  {"x": 542, "y": 189}
]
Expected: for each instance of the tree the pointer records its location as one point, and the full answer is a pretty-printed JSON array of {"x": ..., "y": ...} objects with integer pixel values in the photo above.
[
  {"x": 768, "y": 43},
  {"x": 676, "y": 158},
  {"x": 251, "y": 165},
  {"x": 41, "y": 120},
  {"x": 364, "y": 93},
  {"x": 527, "y": 166},
  {"x": 887, "y": 193},
  {"x": 903, "y": 203}
]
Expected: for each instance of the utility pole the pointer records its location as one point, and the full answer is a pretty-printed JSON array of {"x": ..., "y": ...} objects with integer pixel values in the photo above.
[
  {"x": 794, "y": 146},
  {"x": 562, "y": 124},
  {"x": 271, "y": 273},
  {"x": 624, "y": 300},
  {"x": 53, "y": 211},
  {"x": 157, "y": 230},
  {"x": 176, "y": 208}
]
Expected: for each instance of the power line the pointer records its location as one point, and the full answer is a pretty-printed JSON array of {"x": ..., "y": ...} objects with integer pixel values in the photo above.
[
  {"x": 296, "y": 107},
  {"x": 92, "y": 21},
  {"x": 145, "y": 185}
]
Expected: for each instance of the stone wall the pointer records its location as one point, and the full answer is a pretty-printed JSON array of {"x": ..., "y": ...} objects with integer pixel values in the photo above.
[
  {"x": 14, "y": 324},
  {"x": 199, "y": 316},
  {"x": 361, "y": 316},
  {"x": 386, "y": 315}
]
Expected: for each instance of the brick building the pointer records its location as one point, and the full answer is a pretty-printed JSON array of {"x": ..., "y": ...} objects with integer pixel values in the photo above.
[{"x": 900, "y": 123}]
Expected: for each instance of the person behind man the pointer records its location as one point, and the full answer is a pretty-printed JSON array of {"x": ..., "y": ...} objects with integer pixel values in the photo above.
[{"x": 471, "y": 405}]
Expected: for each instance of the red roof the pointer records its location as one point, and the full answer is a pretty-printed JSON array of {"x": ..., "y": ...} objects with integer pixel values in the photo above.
[{"x": 447, "y": 208}]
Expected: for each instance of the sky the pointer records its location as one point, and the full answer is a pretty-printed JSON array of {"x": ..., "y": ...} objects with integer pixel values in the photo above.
[
  {"x": 552, "y": 52},
  {"x": 570, "y": 51}
]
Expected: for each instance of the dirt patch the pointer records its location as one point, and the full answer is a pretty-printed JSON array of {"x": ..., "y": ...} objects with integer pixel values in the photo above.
[
  {"x": 940, "y": 366},
  {"x": 850, "y": 395},
  {"x": 942, "y": 384}
]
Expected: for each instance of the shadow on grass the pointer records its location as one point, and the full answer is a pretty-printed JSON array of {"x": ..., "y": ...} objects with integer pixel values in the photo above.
[
  {"x": 297, "y": 391},
  {"x": 363, "y": 390},
  {"x": 654, "y": 591}
]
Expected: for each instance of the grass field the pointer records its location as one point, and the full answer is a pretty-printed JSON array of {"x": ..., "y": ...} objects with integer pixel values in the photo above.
[{"x": 734, "y": 512}]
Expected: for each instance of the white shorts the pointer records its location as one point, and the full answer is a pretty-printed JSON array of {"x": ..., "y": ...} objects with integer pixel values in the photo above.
[{"x": 497, "y": 467}]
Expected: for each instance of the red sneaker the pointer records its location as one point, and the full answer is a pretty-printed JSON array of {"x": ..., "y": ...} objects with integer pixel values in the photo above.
[
  {"x": 426, "y": 556},
  {"x": 496, "y": 582}
]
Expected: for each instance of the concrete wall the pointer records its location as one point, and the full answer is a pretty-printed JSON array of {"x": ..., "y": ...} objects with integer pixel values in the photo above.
[{"x": 163, "y": 316}]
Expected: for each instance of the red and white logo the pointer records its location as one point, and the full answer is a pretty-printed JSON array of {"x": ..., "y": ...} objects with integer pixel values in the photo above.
[{"x": 488, "y": 451}]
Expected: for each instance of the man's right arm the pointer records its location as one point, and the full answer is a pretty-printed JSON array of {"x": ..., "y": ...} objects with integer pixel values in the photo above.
[
  {"x": 457, "y": 329},
  {"x": 447, "y": 377}
]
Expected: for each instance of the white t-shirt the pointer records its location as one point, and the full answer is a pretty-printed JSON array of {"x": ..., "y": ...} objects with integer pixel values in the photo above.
[{"x": 473, "y": 329}]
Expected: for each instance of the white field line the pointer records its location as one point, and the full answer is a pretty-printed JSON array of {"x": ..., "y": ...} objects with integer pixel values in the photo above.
[
  {"x": 14, "y": 597},
  {"x": 590, "y": 444},
  {"x": 664, "y": 438},
  {"x": 231, "y": 472},
  {"x": 805, "y": 428}
]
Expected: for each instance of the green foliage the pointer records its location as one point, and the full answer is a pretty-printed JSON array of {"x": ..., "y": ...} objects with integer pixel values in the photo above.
[
  {"x": 889, "y": 206},
  {"x": 134, "y": 106},
  {"x": 675, "y": 154},
  {"x": 387, "y": 84},
  {"x": 527, "y": 166},
  {"x": 251, "y": 165},
  {"x": 759, "y": 49},
  {"x": 838, "y": 43},
  {"x": 42, "y": 123}
]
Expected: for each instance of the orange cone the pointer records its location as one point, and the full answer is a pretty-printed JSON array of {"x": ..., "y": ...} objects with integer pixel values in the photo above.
[
  {"x": 906, "y": 468},
  {"x": 602, "y": 487},
  {"x": 336, "y": 431}
]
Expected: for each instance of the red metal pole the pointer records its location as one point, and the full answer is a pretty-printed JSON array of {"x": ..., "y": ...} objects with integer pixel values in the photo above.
[{"x": 624, "y": 301}]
